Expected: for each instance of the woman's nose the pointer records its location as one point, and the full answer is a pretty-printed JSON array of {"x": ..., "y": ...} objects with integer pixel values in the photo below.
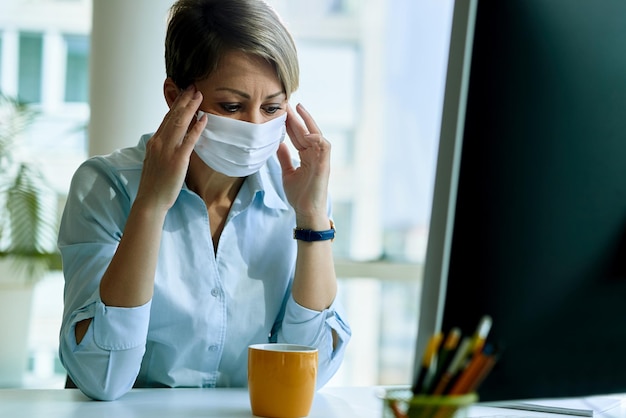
[{"x": 253, "y": 117}]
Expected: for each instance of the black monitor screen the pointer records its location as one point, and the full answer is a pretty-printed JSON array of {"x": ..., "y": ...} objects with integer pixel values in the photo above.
[{"x": 539, "y": 222}]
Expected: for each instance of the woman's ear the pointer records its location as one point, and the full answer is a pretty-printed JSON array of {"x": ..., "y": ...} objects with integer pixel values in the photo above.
[{"x": 170, "y": 91}]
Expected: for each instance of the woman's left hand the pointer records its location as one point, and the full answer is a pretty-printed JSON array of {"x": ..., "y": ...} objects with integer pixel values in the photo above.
[{"x": 306, "y": 186}]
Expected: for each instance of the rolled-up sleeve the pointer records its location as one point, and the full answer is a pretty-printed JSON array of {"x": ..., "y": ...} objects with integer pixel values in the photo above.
[
  {"x": 316, "y": 328},
  {"x": 106, "y": 362}
]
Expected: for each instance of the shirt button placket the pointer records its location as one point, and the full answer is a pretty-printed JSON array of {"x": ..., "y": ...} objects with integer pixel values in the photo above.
[{"x": 216, "y": 292}]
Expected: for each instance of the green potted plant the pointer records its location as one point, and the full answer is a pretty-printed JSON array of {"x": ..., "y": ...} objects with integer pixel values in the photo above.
[{"x": 28, "y": 230}]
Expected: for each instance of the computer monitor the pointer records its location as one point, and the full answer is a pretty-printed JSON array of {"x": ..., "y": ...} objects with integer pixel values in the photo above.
[{"x": 528, "y": 223}]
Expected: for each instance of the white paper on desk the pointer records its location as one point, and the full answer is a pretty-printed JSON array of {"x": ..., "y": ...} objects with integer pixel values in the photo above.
[{"x": 582, "y": 407}]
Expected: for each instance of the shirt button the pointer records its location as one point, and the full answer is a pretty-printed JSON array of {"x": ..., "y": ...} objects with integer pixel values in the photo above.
[
  {"x": 213, "y": 348},
  {"x": 215, "y": 291}
]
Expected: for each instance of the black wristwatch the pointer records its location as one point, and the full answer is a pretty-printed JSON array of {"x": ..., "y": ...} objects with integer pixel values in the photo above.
[{"x": 309, "y": 235}]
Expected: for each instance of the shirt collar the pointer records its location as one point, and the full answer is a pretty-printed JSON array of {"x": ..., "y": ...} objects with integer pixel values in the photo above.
[{"x": 264, "y": 184}]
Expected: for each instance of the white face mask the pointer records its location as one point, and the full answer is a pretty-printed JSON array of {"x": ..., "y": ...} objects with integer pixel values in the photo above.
[{"x": 237, "y": 148}]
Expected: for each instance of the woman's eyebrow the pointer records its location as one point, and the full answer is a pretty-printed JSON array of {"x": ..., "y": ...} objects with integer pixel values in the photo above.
[
  {"x": 272, "y": 96},
  {"x": 246, "y": 95}
]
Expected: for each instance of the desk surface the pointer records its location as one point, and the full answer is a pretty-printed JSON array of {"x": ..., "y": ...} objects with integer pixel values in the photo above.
[{"x": 354, "y": 402}]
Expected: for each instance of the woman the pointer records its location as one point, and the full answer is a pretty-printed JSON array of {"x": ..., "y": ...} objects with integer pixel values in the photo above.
[{"x": 179, "y": 252}]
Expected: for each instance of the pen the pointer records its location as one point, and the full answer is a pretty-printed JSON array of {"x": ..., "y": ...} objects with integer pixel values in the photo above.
[
  {"x": 445, "y": 356},
  {"x": 470, "y": 374},
  {"x": 484, "y": 371},
  {"x": 480, "y": 336},
  {"x": 455, "y": 365},
  {"x": 428, "y": 359}
]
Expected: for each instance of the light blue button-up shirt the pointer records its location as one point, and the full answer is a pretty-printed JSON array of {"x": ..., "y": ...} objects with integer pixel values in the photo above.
[{"x": 207, "y": 307}]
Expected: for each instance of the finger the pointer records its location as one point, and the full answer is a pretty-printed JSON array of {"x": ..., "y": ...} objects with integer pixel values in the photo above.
[
  {"x": 194, "y": 132},
  {"x": 181, "y": 117},
  {"x": 308, "y": 120},
  {"x": 307, "y": 141},
  {"x": 183, "y": 97},
  {"x": 193, "y": 101},
  {"x": 295, "y": 139},
  {"x": 284, "y": 158},
  {"x": 186, "y": 106},
  {"x": 295, "y": 129},
  {"x": 186, "y": 96}
]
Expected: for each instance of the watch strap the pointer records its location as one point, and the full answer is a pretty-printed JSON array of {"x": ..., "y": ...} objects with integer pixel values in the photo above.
[{"x": 309, "y": 235}]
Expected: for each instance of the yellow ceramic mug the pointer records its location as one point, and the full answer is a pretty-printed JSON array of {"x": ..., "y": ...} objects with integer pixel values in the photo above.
[{"x": 281, "y": 379}]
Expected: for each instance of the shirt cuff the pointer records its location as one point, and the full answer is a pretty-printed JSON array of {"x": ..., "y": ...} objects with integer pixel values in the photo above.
[
  {"x": 120, "y": 328},
  {"x": 306, "y": 326}
]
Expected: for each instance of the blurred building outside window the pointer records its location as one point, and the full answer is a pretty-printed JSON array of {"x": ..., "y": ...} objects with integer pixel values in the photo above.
[{"x": 372, "y": 75}]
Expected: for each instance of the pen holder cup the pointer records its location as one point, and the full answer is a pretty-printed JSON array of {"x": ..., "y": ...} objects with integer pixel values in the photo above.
[{"x": 401, "y": 403}]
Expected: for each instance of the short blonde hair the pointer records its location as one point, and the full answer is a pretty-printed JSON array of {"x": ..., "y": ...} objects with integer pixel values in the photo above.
[{"x": 200, "y": 32}]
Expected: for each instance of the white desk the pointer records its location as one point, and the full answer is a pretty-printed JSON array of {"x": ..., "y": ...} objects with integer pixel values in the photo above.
[{"x": 331, "y": 402}]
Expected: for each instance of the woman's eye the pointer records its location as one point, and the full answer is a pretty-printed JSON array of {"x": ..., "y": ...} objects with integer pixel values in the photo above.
[
  {"x": 230, "y": 107},
  {"x": 271, "y": 109}
]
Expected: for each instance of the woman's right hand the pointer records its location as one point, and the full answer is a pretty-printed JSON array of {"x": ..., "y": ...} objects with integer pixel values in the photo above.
[
  {"x": 129, "y": 279},
  {"x": 168, "y": 151}
]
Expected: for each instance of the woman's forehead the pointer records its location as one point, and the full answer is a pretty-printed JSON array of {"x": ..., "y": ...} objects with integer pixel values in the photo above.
[{"x": 246, "y": 72}]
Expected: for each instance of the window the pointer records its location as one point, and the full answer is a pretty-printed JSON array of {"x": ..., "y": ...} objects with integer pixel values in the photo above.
[
  {"x": 30, "y": 67},
  {"x": 372, "y": 75},
  {"x": 1, "y": 42},
  {"x": 77, "y": 69}
]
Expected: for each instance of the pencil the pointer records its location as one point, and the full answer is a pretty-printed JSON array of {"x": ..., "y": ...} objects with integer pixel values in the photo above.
[
  {"x": 455, "y": 365},
  {"x": 445, "y": 357},
  {"x": 485, "y": 370},
  {"x": 470, "y": 374},
  {"x": 480, "y": 336},
  {"x": 428, "y": 359}
]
